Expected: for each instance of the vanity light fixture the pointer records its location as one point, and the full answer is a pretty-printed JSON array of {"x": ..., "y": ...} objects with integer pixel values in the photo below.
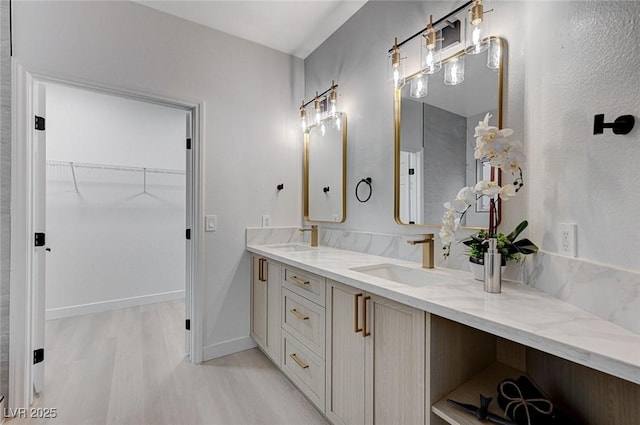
[
  {"x": 303, "y": 117},
  {"x": 324, "y": 104},
  {"x": 318, "y": 108},
  {"x": 333, "y": 99},
  {"x": 477, "y": 29},
  {"x": 454, "y": 71},
  {"x": 494, "y": 57},
  {"x": 419, "y": 86},
  {"x": 431, "y": 49},
  {"x": 396, "y": 66}
]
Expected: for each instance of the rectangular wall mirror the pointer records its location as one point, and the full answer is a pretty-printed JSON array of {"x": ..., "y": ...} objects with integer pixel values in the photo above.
[
  {"x": 325, "y": 164},
  {"x": 434, "y": 139}
]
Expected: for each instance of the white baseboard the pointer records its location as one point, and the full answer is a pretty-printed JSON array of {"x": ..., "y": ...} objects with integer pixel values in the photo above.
[
  {"x": 225, "y": 348},
  {"x": 76, "y": 310}
]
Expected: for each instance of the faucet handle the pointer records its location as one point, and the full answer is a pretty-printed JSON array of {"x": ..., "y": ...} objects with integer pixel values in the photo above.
[{"x": 427, "y": 237}]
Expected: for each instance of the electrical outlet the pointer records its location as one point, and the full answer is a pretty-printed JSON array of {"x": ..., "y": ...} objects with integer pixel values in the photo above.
[
  {"x": 568, "y": 239},
  {"x": 266, "y": 220},
  {"x": 210, "y": 223}
]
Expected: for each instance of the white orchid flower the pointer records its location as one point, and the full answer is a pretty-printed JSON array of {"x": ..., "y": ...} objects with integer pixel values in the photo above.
[
  {"x": 487, "y": 187},
  {"x": 466, "y": 194},
  {"x": 507, "y": 191},
  {"x": 447, "y": 235}
]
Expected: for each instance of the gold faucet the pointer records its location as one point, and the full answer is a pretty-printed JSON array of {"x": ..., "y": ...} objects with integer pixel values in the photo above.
[
  {"x": 427, "y": 250},
  {"x": 314, "y": 234}
]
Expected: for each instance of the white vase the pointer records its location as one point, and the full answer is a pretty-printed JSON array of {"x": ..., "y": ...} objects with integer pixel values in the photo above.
[{"x": 478, "y": 270}]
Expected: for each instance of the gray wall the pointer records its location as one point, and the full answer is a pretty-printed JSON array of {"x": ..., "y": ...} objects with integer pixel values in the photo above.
[
  {"x": 445, "y": 163},
  {"x": 5, "y": 192}
]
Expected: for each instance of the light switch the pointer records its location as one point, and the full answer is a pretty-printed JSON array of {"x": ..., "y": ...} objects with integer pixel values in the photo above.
[{"x": 210, "y": 223}]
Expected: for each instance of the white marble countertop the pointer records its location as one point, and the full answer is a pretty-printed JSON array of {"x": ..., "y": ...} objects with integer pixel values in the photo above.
[{"x": 519, "y": 313}]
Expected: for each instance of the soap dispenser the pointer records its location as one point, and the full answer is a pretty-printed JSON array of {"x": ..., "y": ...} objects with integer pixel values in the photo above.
[{"x": 492, "y": 267}]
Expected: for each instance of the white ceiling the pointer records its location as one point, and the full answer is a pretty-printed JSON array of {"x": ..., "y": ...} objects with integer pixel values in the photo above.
[{"x": 296, "y": 27}]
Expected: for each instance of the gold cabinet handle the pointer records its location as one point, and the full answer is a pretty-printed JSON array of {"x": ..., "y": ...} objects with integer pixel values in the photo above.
[
  {"x": 297, "y": 360},
  {"x": 299, "y": 281},
  {"x": 356, "y": 329},
  {"x": 298, "y": 314},
  {"x": 365, "y": 333}
]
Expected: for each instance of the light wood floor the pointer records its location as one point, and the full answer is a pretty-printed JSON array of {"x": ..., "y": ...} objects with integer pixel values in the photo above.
[{"x": 127, "y": 367}]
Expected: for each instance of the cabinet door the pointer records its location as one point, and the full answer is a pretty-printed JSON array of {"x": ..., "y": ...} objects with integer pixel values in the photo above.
[
  {"x": 395, "y": 363},
  {"x": 273, "y": 273},
  {"x": 259, "y": 301},
  {"x": 345, "y": 399}
]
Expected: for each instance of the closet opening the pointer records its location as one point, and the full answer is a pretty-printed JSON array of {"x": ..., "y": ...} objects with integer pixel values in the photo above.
[
  {"x": 110, "y": 182},
  {"x": 115, "y": 202}
]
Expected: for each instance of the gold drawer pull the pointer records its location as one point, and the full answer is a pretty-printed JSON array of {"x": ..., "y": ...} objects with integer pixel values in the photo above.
[
  {"x": 356, "y": 329},
  {"x": 365, "y": 333},
  {"x": 297, "y": 360},
  {"x": 299, "y": 281},
  {"x": 298, "y": 314}
]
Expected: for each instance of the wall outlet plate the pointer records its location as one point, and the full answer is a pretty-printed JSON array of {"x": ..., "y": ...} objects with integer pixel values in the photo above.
[
  {"x": 210, "y": 223},
  {"x": 266, "y": 220},
  {"x": 568, "y": 239}
]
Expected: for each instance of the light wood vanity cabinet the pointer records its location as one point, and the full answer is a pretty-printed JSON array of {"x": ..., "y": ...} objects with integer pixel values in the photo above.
[
  {"x": 366, "y": 360},
  {"x": 375, "y": 359},
  {"x": 303, "y": 332},
  {"x": 266, "y": 278}
]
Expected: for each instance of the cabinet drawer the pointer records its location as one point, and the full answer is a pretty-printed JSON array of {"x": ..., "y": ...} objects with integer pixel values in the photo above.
[
  {"x": 304, "y": 320},
  {"x": 304, "y": 368},
  {"x": 309, "y": 285}
]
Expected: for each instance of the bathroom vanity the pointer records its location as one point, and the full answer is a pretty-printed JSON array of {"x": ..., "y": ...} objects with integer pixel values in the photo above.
[{"x": 375, "y": 340}]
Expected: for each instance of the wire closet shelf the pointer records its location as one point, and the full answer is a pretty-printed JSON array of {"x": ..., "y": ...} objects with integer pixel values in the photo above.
[{"x": 84, "y": 165}]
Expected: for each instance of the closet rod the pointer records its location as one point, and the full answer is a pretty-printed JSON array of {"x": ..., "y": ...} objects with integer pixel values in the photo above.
[{"x": 76, "y": 165}]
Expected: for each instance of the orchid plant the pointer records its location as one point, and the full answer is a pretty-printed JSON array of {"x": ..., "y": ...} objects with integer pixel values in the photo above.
[{"x": 493, "y": 145}]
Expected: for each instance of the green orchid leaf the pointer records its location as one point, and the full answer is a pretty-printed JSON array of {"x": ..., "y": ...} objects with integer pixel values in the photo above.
[
  {"x": 525, "y": 246},
  {"x": 516, "y": 232}
]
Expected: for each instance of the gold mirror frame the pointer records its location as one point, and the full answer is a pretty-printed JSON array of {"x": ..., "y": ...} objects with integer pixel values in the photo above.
[
  {"x": 343, "y": 117},
  {"x": 397, "y": 116}
]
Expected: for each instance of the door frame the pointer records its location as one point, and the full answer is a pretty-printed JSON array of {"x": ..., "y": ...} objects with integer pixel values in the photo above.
[{"x": 22, "y": 212}]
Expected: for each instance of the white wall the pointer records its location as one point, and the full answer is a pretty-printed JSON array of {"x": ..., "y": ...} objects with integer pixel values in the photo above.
[
  {"x": 251, "y": 141},
  {"x": 5, "y": 192},
  {"x": 573, "y": 73},
  {"x": 113, "y": 245}
]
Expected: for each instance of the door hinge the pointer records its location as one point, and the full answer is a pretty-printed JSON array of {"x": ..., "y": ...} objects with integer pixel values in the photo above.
[
  {"x": 188, "y": 143},
  {"x": 188, "y": 324},
  {"x": 40, "y": 239},
  {"x": 412, "y": 171},
  {"x": 188, "y": 233},
  {"x": 39, "y": 123},
  {"x": 38, "y": 355}
]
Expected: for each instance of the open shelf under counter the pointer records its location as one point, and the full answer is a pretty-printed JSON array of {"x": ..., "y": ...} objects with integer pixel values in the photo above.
[{"x": 485, "y": 383}]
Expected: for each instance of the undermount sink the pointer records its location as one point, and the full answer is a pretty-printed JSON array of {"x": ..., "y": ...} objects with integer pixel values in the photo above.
[
  {"x": 291, "y": 247},
  {"x": 400, "y": 274}
]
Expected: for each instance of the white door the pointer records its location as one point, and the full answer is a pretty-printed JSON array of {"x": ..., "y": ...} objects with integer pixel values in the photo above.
[
  {"x": 39, "y": 227},
  {"x": 189, "y": 246}
]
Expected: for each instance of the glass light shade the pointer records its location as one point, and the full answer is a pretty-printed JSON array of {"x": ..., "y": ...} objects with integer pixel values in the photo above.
[
  {"x": 430, "y": 58},
  {"x": 454, "y": 71},
  {"x": 333, "y": 103},
  {"x": 476, "y": 34},
  {"x": 419, "y": 86},
  {"x": 303, "y": 119},
  {"x": 494, "y": 56},
  {"x": 395, "y": 70}
]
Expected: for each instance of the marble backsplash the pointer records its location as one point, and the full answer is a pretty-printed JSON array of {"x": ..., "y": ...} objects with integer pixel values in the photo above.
[{"x": 609, "y": 293}]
